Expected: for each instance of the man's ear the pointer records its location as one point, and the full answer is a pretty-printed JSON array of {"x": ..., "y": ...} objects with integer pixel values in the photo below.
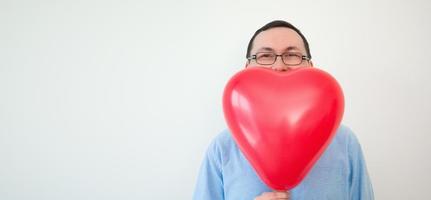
[
  {"x": 246, "y": 64},
  {"x": 311, "y": 63}
]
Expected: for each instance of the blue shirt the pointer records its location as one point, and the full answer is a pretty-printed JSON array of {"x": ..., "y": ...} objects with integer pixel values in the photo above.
[{"x": 339, "y": 174}]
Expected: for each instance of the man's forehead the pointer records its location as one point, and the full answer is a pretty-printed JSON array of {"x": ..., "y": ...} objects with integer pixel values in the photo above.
[
  {"x": 279, "y": 39},
  {"x": 278, "y": 33},
  {"x": 289, "y": 48}
]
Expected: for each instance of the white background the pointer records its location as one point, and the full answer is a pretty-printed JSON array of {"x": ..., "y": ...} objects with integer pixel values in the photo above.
[{"x": 119, "y": 99}]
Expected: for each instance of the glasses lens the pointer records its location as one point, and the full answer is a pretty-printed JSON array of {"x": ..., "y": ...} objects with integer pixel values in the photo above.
[
  {"x": 265, "y": 58},
  {"x": 292, "y": 58}
]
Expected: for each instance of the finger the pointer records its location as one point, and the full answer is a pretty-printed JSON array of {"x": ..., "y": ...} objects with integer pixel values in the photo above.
[
  {"x": 276, "y": 195},
  {"x": 280, "y": 195}
]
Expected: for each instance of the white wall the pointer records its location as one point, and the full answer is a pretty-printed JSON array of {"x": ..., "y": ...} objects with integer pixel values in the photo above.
[{"x": 119, "y": 99}]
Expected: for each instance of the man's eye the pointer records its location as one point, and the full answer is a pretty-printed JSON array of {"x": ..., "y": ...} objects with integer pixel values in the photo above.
[
  {"x": 265, "y": 55},
  {"x": 292, "y": 55}
]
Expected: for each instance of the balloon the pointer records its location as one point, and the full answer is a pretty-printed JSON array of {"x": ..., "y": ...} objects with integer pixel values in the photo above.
[{"x": 282, "y": 121}]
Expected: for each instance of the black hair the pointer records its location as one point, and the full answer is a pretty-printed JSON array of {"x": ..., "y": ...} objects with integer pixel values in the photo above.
[{"x": 275, "y": 24}]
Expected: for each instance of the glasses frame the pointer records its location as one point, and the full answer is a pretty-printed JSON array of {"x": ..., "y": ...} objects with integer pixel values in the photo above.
[{"x": 254, "y": 57}]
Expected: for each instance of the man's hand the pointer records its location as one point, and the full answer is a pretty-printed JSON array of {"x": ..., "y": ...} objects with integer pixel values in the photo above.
[{"x": 274, "y": 196}]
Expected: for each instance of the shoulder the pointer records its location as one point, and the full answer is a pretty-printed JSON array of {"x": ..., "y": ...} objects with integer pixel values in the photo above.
[
  {"x": 223, "y": 142},
  {"x": 344, "y": 132},
  {"x": 223, "y": 149},
  {"x": 223, "y": 138},
  {"x": 345, "y": 135},
  {"x": 344, "y": 142}
]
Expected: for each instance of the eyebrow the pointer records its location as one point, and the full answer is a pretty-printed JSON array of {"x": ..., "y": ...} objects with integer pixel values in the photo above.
[{"x": 272, "y": 50}]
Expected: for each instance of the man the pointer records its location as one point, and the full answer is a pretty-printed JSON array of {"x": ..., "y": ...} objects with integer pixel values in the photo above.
[{"x": 339, "y": 174}]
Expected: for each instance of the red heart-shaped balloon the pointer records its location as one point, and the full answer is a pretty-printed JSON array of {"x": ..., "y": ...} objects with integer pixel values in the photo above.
[{"x": 283, "y": 121}]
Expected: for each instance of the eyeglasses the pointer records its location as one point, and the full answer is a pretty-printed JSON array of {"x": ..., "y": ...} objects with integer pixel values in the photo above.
[{"x": 288, "y": 58}]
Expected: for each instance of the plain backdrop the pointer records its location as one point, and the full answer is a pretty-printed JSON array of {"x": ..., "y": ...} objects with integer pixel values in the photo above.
[{"x": 120, "y": 99}]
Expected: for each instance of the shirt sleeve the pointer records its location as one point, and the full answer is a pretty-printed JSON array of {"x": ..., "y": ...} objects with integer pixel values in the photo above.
[
  {"x": 360, "y": 184},
  {"x": 209, "y": 185}
]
